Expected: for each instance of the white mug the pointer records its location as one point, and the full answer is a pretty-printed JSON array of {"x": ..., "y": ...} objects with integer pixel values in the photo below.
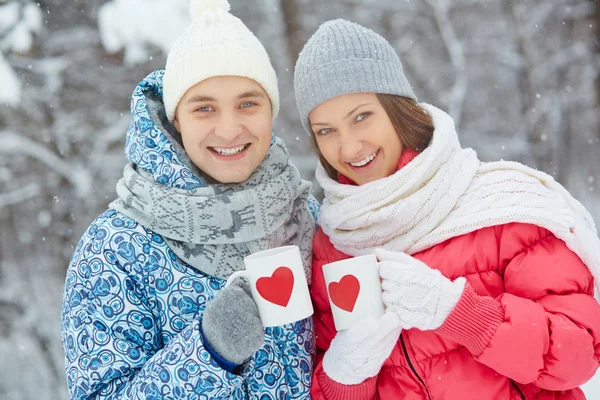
[
  {"x": 354, "y": 290},
  {"x": 278, "y": 285}
]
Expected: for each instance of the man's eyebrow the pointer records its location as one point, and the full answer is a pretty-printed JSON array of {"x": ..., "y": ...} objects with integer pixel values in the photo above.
[
  {"x": 245, "y": 95},
  {"x": 251, "y": 93},
  {"x": 199, "y": 99}
]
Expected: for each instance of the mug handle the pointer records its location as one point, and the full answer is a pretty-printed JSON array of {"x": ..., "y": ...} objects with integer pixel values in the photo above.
[{"x": 235, "y": 275}]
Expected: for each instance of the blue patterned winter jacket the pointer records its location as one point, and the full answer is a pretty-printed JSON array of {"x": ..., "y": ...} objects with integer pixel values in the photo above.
[{"x": 132, "y": 309}]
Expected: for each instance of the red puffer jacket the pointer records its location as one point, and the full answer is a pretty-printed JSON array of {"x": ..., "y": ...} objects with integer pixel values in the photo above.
[{"x": 526, "y": 327}]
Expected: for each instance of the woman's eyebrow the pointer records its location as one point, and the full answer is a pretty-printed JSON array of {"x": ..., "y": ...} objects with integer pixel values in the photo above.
[
  {"x": 356, "y": 108},
  {"x": 347, "y": 115}
]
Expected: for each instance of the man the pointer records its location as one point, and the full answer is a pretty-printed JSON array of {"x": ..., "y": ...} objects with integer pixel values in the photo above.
[{"x": 145, "y": 315}]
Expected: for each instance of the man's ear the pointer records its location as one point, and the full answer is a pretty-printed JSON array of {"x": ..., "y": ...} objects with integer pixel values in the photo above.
[{"x": 176, "y": 123}]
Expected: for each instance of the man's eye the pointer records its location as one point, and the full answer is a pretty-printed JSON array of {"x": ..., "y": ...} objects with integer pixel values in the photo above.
[
  {"x": 248, "y": 104},
  {"x": 204, "y": 109}
]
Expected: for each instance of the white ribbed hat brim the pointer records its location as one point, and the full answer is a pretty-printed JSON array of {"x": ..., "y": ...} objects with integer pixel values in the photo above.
[{"x": 192, "y": 68}]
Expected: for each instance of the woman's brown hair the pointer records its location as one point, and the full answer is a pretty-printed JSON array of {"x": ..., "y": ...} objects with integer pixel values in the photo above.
[{"x": 411, "y": 122}]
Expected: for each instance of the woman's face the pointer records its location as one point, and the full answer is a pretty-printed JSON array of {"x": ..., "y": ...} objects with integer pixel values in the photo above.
[{"x": 356, "y": 137}]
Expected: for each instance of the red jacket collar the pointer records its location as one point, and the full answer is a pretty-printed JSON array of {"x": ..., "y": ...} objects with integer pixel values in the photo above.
[{"x": 407, "y": 156}]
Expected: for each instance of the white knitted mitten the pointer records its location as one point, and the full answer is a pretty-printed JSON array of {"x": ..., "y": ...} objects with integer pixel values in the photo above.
[
  {"x": 421, "y": 296},
  {"x": 358, "y": 353}
]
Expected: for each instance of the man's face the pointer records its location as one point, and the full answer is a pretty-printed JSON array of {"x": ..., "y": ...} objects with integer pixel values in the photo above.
[{"x": 225, "y": 124}]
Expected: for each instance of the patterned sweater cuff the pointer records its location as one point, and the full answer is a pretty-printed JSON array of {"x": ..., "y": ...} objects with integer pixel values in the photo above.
[{"x": 473, "y": 321}]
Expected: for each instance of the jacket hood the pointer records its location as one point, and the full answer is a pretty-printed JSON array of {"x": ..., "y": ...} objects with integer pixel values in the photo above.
[{"x": 153, "y": 144}]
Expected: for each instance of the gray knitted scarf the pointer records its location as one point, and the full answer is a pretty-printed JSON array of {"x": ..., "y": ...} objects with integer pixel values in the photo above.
[{"x": 213, "y": 228}]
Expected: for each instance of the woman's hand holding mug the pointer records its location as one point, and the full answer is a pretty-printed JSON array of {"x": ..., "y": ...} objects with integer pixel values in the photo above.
[{"x": 421, "y": 296}]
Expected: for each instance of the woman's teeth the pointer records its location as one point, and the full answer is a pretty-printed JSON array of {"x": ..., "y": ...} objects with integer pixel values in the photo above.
[
  {"x": 365, "y": 161},
  {"x": 229, "y": 152}
]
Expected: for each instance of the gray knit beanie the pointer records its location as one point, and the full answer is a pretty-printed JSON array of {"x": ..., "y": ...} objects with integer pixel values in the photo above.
[{"x": 341, "y": 58}]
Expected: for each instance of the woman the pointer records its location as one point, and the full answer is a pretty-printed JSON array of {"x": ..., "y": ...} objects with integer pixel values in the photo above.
[{"x": 487, "y": 269}]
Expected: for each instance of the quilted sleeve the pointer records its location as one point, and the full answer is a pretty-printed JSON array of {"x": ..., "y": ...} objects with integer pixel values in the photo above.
[
  {"x": 283, "y": 367},
  {"x": 112, "y": 338},
  {"x": 545, "y": 329}
]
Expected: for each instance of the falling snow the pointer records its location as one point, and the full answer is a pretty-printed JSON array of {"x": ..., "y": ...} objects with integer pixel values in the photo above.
[{"x": 519, "y": 83}]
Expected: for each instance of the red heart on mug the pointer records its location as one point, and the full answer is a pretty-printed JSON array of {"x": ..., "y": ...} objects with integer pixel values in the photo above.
[
  {"x": 345, "y": 292},
  {"x": 277, "y": 288}
]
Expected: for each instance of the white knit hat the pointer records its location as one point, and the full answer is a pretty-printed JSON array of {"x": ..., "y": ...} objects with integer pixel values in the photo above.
[{"x": 216, "y": 44}]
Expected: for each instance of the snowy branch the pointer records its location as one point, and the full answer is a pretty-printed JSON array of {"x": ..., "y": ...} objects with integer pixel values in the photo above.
[
  {"x": 578, "y": 11},
  {"x": 51, "y": 68},
  {"x": 20, "y": 195},
  {"x": 8, "y": 30},
  {"x": 559, "y": 60},
  {"x": 455, "y": 51},
  {"x": 385, "y": 5},
  {"x": 466, "y": 5},
  {"x": 528, "y": 94},
  {"x": 406, "y": 42},
  {"x": 78, "y": 176},
  {"x": 510, "y": 59},
  {"x": 118, "y": 31},
  {"x": 106, "y": 138},
  {"x": 539, "y": 14},
  {"x": 18, "y": 22},
  {"x": 12, "y": 88}
]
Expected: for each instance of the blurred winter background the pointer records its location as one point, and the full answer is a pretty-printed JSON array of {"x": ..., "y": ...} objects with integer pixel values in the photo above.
[{"x": 521, "y": 79}]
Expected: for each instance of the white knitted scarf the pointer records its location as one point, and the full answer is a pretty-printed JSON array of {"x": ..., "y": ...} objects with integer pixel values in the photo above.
[{"x": 446, "y": 192}]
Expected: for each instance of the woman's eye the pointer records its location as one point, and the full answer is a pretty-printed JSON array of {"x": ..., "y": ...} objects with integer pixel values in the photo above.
[
  {"x": 325, "y": 131},
  {"x": 362, "y": 116}
]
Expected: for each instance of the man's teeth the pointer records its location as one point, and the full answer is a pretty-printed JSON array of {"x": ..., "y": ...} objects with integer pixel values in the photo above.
[
  {"x": 229, "y": 152},
  {"x": 365, "y": 161}
]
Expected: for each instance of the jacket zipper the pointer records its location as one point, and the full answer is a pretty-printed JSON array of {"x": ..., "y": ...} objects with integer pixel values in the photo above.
[
  {"x": 413, "y": 368},
  {"x": 518, "y": 390}
]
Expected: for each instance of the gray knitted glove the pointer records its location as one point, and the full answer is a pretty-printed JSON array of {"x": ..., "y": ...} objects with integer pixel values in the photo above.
[{"x": 231, "y": 324}]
